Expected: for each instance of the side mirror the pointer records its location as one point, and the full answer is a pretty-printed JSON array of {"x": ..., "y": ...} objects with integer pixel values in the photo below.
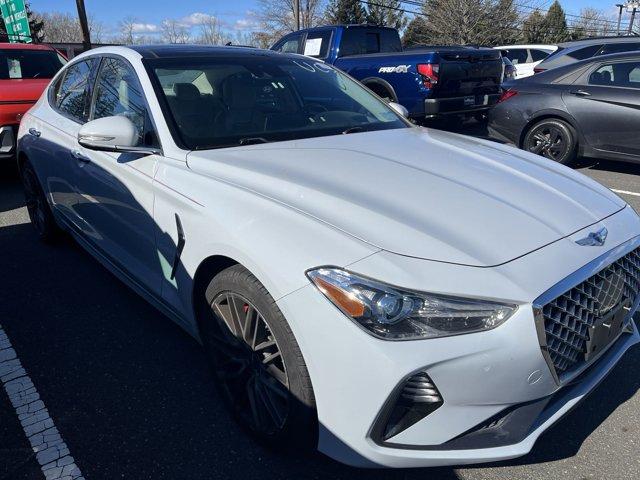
[
  {"x": 112, "y": 134},
  {"x": 399, "y": 109}
]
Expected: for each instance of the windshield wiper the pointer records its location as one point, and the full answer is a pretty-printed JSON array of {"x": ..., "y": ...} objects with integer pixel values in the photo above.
[
  {"x": 353, "y": 130},
  {"x": 252, "y": 140}
]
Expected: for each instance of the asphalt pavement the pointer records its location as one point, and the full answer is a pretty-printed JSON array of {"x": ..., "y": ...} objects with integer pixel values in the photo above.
[{"x": 133, "y": 398}]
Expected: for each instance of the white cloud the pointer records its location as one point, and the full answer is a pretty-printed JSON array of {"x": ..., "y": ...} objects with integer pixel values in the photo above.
[
  {"x": 145, "y": 28},
  {"x": 248, "y": 23}
]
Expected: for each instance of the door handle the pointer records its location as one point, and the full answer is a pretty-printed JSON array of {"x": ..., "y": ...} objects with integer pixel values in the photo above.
[
  {"x": 580, "y": 93},
  {"x": 34, "y": 132},
  {"x": 78, "y": 155}
]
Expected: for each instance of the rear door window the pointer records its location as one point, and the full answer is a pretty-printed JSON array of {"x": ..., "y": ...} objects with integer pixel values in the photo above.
[
  {"x": 622, "y": 74},
  {"x": 317, "y": 44},
  {"x": 517, "y": 56},
  {"x": 70, "y": 93},
  {"x": 353, "y": 42}
]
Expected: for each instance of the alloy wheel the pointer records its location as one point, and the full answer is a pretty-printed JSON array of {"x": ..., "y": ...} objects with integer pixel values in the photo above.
[
  {"x": 249, "y": 364},
  {"x": 549, "y": 141}
]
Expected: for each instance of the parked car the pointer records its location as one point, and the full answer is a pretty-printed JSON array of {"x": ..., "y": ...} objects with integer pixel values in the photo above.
[
  {"x": 510, "y": 72},
  {"x": 430, "y": 81},
  {"x": 393, "y": 295},
  {"x": 589, "y": 108},
  {"x": 25, "y": 71},
  {"x": 526, "y": 57},
  {"x": 571, "y": 52}
]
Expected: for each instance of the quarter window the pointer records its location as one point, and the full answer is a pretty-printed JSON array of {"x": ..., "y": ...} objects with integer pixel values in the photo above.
[
  {"x": 537, "y": 55},
  {"x": 118, "y": 92},
  {"x": 70, "y": 93}
]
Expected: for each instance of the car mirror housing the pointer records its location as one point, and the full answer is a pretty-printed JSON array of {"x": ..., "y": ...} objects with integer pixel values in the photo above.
[
  {"x": 399, "y": 109},
  {"x": 112, "y": 134}
]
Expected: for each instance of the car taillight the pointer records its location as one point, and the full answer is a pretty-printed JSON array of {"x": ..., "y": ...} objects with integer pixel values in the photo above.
[
  {"x": 429, "y": 74},
  {"x": 538, "y": 70},
  {"x": 507, "y": 94}
]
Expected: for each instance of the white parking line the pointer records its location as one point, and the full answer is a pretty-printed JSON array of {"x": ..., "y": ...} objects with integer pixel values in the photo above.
[
  {"x": 51, "y": 452},
  {"x": 625, "y": 192}
]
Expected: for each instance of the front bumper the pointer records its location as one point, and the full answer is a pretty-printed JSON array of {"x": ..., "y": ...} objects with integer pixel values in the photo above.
[
  {"x": 7, "y": 141},
  {"x": 459, "y": 105},
  {"x": 499, "y": 392}
]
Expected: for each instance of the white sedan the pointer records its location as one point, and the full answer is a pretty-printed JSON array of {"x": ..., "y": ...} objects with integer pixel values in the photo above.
[
  {"x": 526, "y": 57},
  {"x": 389, "y": 294}
]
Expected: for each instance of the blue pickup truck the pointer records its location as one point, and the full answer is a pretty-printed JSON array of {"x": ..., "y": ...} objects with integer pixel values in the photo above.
[{"x": 429, "y": 81}]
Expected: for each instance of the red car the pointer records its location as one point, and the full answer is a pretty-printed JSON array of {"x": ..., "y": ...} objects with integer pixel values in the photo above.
[{"x": 25, "y": 71}]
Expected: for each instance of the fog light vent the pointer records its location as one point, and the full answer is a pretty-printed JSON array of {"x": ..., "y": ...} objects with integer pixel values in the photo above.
[{"x": 418, "y": 398}]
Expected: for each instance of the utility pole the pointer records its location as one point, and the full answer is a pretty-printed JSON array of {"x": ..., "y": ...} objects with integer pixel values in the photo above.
[
  {"x": 633, "y": 17},
  {"x": 84, "y": 25},
  {"x": 620, "y": 7},
  {"x": 296, "y": 13}
]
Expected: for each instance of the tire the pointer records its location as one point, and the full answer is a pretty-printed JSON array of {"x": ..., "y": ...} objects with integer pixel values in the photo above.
[
  {"x": 260, "y": 371},
  {"x": 552, "y": 138},
  {"x": 37, "y": 205}
]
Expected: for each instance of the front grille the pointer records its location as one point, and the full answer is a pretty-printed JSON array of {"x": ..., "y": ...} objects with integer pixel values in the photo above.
[{"x": 569, "y": 317}]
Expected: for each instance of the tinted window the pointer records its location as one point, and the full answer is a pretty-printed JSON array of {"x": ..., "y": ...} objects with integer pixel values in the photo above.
[
  {"x": 353, "y": 42},
  {"x": 70, "y": 93},
  {"x": 537, "y": 55},
  {"x": 358, "y": 41},
  {"x": 624, "y": 74},
  {"x": 373, "y": 42},
  {"x": 290, "y": 45},
  {"x": 118, "y": 92},
  {"x": 516, "y": 55},
  {"x": 317, "y": 44},
  {"x": 619, "y": 47},
  {"x": 29, "y": 64},
  {"x": 258, "y": 100},
  {"x": 584, "y": 52}
]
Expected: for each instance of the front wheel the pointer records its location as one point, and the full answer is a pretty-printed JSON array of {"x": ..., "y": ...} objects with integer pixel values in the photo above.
[
  {"x": 37, "y": 206},
  {"x": 257, "y": 361},
  {"x": 552, "y": 138}
]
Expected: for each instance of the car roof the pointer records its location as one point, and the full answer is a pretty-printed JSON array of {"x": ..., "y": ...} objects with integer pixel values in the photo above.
[
  {"x": 600, "y": 41},
  {"x": 25, "y": 46},
  {"x": 178, "y": 51},
  {"x": 540, "y": 46},
  {"x": 561, "y": 71}
]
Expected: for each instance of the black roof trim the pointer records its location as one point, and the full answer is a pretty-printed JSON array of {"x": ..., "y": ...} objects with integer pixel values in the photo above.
[{"x": 173, "y": 51}]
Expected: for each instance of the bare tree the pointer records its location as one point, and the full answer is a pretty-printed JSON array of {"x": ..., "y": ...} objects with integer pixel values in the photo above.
[
  {"x": 173, "y": 31},
  {"x": 592, "y": 22},
  {"x": 277, "y": 16},
  {"x": 127, "y": 27},
  {"x": 211, "y": 32},
  {"x": 63, "y": 27}
]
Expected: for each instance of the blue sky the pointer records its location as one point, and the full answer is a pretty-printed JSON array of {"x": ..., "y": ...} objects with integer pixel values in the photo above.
[{"x": 235, "y": 14}]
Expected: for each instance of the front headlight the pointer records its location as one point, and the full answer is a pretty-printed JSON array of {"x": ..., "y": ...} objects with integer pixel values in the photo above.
[{"x": 395, "y": 314}]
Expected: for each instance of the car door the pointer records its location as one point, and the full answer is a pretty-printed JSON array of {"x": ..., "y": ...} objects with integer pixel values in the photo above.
[
  {"x": 605, "y": 101},
  {"x": 116, "y": 189},
  {"x": 53, "y": 138}
]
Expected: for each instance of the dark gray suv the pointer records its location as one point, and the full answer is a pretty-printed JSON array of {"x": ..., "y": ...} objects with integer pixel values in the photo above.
[{"x": 570, "y": 52}]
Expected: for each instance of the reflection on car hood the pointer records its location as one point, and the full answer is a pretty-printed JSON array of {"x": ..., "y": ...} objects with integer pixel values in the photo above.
[{"x": 422, "y": 193}]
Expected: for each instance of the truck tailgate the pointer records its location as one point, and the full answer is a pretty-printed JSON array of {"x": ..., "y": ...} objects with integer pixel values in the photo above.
[{"x": 468, "y": 72}]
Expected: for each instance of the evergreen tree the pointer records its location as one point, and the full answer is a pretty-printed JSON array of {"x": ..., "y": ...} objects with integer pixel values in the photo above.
[
  {"x": 387, "y": 13},
  {"x": 555, "y": 24},
  {"x": 345, "y": 12},
  {"x": 415, "y": 34},
  {"x": 533, "y": 28},
  {"x": 35, "y": 25}
]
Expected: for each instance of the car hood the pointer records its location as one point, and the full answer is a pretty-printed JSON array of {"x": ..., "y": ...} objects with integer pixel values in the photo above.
[
  {"x": 19, "y": 90},
  {"x": 420, "y": 192}
]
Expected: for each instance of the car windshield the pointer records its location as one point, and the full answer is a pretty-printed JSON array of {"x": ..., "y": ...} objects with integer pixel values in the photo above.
[
  {"x": 24, "y": 64},
  {"x": 240, "y": 100}
]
